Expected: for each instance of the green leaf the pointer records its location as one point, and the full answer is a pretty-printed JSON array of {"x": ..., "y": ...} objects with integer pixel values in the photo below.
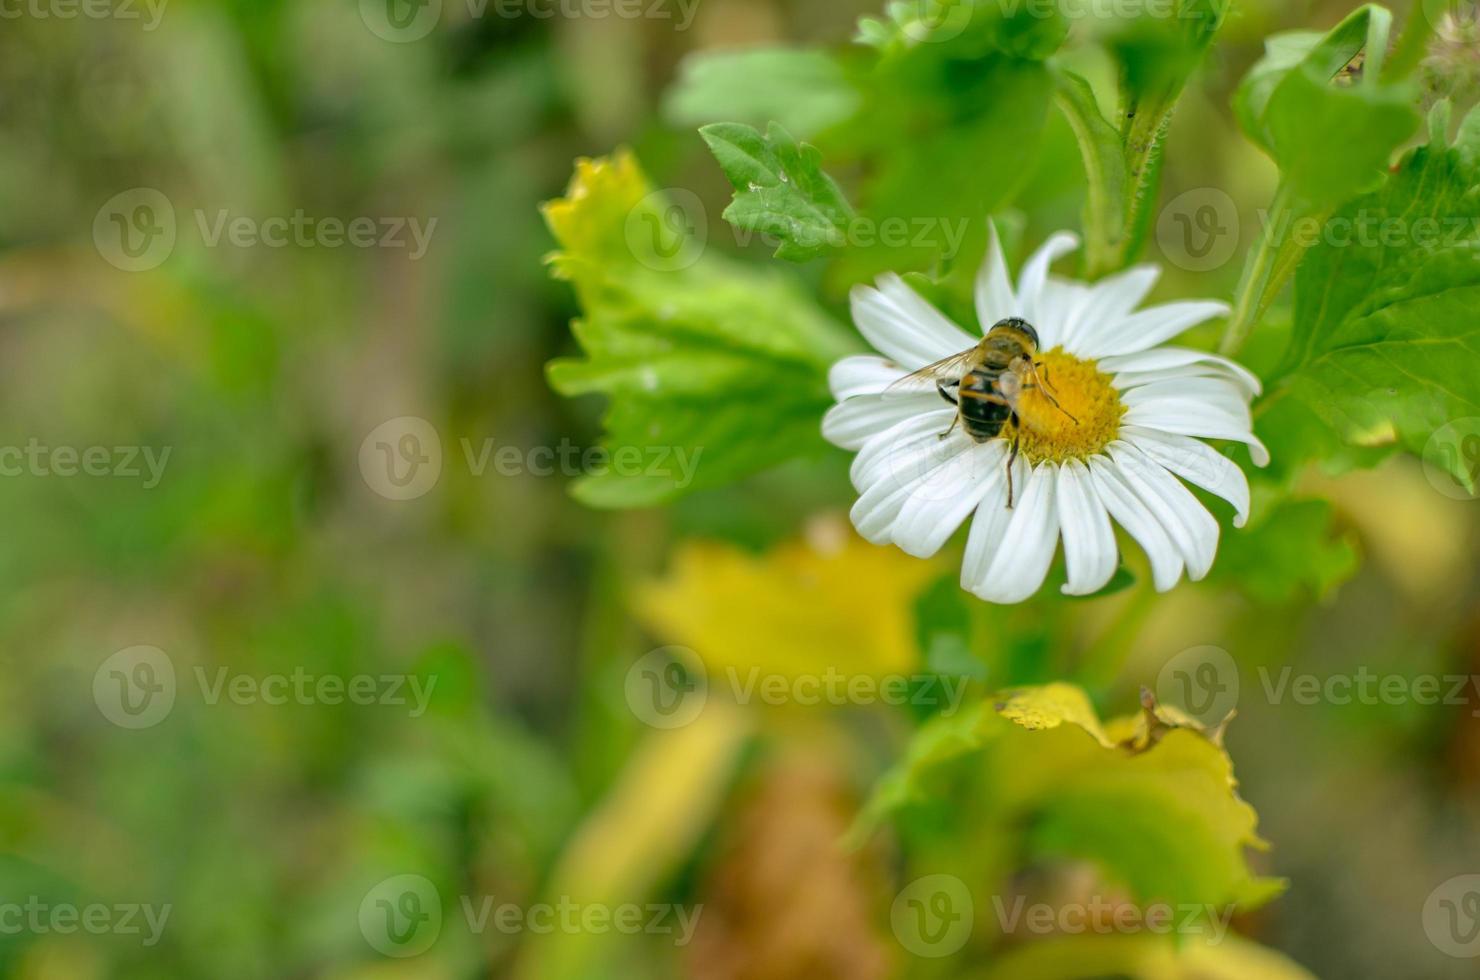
[
  {"x": 1143, "y": 957},
  {"x": 713, "y": 369},
  {"x": 1386, "y": 344},
  {"x": 805, "y": 91},
  {"x": 1104, "y": 165},
  {"x": 971, "y": 27},
  {"x": 1157, "y": 54},
  {"x": 780, "y": 189},
  {"x": 1149, "y": 799},
  {"x": 957, "y": 104},
  {"x": 1296, "y": 552},
  {"x": 1331, "y": 137}
]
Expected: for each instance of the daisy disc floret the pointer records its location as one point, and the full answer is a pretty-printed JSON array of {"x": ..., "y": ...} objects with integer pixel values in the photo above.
[{"x": 1107, "y": 430}]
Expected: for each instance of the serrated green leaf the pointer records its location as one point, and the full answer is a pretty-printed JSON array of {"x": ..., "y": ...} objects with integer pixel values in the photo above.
[
  {"x": 713, "y": 369},
  {"x": 805, "y": 91},
  {"x": 1332, "y": 138},
  {"x": 1386, "y": 344},
  {"x": 1150, "y": 801},
  {"x": 780, "y": 189}
]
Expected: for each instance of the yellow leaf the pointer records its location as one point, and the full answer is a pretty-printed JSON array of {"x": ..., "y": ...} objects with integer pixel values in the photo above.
[{"x": 806, "y": 608}]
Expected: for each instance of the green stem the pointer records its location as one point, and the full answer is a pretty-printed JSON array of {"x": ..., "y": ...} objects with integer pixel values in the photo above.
[
  {"x": 1412, "y": 46},
  {"x": 1103, "y": 661},
  {"x": 1271, "y": 265}
]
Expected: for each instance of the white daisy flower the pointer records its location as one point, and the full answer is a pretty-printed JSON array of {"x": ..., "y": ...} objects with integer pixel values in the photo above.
[{"x": 1103, "y": 417}]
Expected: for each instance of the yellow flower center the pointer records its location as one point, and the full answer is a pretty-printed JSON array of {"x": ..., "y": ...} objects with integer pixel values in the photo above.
[{"x": 1049, "y": 433}]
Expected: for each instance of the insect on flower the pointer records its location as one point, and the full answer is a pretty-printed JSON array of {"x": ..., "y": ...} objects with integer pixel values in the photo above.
[{"x": 1066, "y": 414}]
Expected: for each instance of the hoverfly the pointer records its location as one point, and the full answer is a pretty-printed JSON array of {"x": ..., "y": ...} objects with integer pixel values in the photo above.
[{"x": 986, "y": 382}]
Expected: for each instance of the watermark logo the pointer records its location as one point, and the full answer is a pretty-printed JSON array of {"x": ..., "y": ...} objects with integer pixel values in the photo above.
[
  {"x": 1444, "y": 13},
  {"x": 667, "y": 687},
  {"x": 1451, "y": 917},
  {"x": 1453, "y": 449},
  {"x": 151, "y": 12},
  {"x": 937, "y": 21},
  {"x": 135, "y": 230},
  {"x": 401, "y": 916},
  {"x": 135, "y": 687},
  {"x": 1202, "y": 681},
  {"x": 38, "y": 918},
  {"x": 1367, "y": 688},
  {"x": 1199, "y": 229},
  {"x": 571, "y": 918},
  {"x": 401, "y": 459},
  {"x": 933, "y": 916},
  {"x": 1103, "y": 917},
  {"x": 400, "y": 21},
  {"x": 668, "y": 229}
]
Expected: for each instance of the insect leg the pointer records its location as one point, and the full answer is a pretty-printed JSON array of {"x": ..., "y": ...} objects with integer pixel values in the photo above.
[
  {"x": 945, "y": 393},
  {"x": 1047, "y": 392},
  {"x": 1012, "y": 458}
]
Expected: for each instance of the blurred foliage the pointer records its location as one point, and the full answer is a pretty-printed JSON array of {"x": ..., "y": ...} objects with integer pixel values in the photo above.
[{"x": 264, "y": 550}]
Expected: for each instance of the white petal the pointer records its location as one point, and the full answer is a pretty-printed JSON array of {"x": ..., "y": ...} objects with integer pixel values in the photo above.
[
  {"x": 1186, "y": 521},
  {"x": 990, "y": 523},
  {"x": 1197, "y": 463},
  {"x": 1061, "y": 307},
  {"x": 1090, "y": 555},
  {"x": 1107, "y": 301},
  {"x": 1022, "y": 558},
  {"x": 857, "y": 420},
  {"x": 862, "y": 374},
  {"x": 1152, "y": 363},
  {"x": 903, "y": 450},
  {"x": 1191, "y": 418},
  {"x": 1035, "y": 273},
  {"x": 1146, "y": 329},
  {"x": 938, "y": 504},
  {"x": 994, "y": 296},
  {"x": 900, "y": 324},
  {"x": 1117, "y": 295},
  {"x": 1130, "y": 513},
  {"x": 1217, "y": 392}
]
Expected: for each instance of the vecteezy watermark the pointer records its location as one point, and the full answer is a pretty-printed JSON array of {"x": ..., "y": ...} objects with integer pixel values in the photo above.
[
  {"x": 1198, "y": 230},
  {"x": 1202, "y": 681},
  {"x": 401, "y": 459},
  {"x": 403, "y": 21},
  {"x": 37, "y": 917},
  {"x": 1452, "y": 452},
  {"x": 570, "y": 917},
  {"x": 137, "y": 688},
  {"x": 1103, "y": 917},
  {"x": 933, "y": 916},
  {"x": 668, "y": 688},
  {"x": 668, "y": 230},
  {"x": 1367, "y": 688},
  {"x": 117, "y": 462},
  {"x": 137, "y": 230},
  {"x": 148, "y": 11},
  {"x": 1445, "y": 14},
  {"x": 402, "y": 917},
  {"x": 1451, "y": 917},
  {"x": 565, "y": 458},
  {"x": 1370, "y": 229}
]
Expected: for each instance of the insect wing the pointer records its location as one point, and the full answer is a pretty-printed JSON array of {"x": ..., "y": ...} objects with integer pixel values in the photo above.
[{"x": 949, "y": 369}]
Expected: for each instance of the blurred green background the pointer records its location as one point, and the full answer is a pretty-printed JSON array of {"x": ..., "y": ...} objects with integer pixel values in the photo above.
[{"x": 264, "y": 549}]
